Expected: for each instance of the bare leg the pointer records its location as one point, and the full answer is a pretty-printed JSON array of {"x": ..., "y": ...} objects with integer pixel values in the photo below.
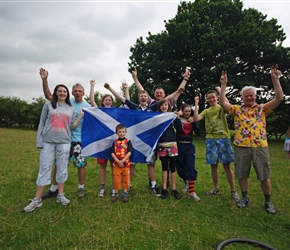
[
  {"x": 81, "y": 175},
  {"x": 230, "y": 176},
  {"x": 103, "y": 174},
  {"x": 173, "y": 180},
  {"x": 214, "y": 174},
  {"x": 164, "y": 179}
]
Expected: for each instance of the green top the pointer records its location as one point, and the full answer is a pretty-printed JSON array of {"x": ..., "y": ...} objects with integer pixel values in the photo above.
[{"x": 216, "y": 125}]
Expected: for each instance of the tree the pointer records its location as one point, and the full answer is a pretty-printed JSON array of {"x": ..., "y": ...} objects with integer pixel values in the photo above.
[{"x": 211, "y": 36}]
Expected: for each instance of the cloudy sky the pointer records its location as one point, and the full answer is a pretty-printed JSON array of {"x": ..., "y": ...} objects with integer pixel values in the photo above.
[{"x": 81, "y": 40}]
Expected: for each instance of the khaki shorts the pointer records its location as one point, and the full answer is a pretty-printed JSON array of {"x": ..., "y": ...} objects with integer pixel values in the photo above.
[{"x": 244, "y": 157}]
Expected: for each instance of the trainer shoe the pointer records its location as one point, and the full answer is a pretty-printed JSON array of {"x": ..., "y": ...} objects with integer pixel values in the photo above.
[
  {"x": 125, "y": 198},
  {"x": 184, "y": 189},
  {"x": 175, "y": 194},
  {"x": 244, "y": 202},
  {"x": 114, "y": 198},
  {"x": 156, "y": 191},
  {"x": 235, "y": 196},
  {"x": 81, "y": 192},
  {"x": 213, "y": 191},
  {"x": 32, "y": 205},
  {"x": 194, "y": 196},
  {"x": 164, "y": 193},
  {"x": 102, "y": 192},
  {"x": 62, "y": 200},
  {"x": 269, "y": 208},
  {"x": 49, "y": 194},
  {"x": 113, "y": 192}
]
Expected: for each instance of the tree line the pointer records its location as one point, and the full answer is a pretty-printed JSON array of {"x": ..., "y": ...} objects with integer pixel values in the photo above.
[{"x": 209, "y": 36}]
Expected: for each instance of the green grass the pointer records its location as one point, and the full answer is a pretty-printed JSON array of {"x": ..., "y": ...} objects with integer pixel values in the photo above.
[{"x": 146, "y": 222}]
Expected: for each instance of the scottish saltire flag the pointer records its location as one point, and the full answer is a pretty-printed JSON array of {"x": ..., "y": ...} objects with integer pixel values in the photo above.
[{"x": 143, "y": 129}]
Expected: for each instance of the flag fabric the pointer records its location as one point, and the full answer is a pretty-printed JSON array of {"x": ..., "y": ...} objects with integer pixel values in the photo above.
[{"x": 143, "y": 129}]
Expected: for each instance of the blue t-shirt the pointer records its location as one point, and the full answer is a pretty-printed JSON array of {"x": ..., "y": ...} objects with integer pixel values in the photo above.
[{"x": 77, "y": 133}]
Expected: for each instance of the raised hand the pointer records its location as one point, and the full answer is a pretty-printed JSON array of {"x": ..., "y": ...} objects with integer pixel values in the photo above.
[
  {"x": 92, "y": 82},
  {"x": 224, "y": 78},
  {"x": 134, "y": 73},
  {"x": 107, "y": 85},
  {"x": 275, "y": 73},
  {"x": 43, "y": 73}
]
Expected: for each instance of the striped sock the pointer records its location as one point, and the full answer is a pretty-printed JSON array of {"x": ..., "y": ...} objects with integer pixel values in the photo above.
[{"x": 191, "y": 186}]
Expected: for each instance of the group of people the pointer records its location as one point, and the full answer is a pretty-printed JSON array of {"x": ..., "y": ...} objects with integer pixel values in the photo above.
[{"x": 59, "y": 134}]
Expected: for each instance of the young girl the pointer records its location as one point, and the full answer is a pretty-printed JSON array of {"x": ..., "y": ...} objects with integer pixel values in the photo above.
[
  {"x": 107, "y": 102},
  {"x": 167, "y": 151},
  {"x": 186, "y": 157},
  {"x": 287, "y": 143},
  {"x": 54, "y": 137}
]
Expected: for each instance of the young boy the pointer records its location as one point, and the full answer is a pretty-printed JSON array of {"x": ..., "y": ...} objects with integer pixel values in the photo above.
[
  {"x": 218, "y": 142},
  {"x": 121, "y": 152}
]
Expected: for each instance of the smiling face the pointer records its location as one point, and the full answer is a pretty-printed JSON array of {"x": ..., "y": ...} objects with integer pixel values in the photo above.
[
  {"x": 61, "y": 94},
  {"x": 212, "y": 99},
  {"x": 143, "y": 98},
  {"x": 159, "y": 94},
  {"x": 249, "y": 97},
  {"x": 164, "y": 107},
  {"x": 121, "y": 132},
  {"x": 107, "y": 101},
  {"x": 186, "y": 112}
]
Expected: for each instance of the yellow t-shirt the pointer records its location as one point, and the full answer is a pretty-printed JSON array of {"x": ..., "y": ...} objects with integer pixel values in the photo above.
[{"x": 250, "y": 125}]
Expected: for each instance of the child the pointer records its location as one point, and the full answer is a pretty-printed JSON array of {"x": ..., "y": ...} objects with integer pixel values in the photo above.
[
  {"x": 54, "y": 137},
  {"x": 218, "y": 142},
  {"x": 167, "y": 151},
  {"x": 121, "y": 152},
  {"x": 186, "y": 156},
  {"x": 287, "y": 143}
]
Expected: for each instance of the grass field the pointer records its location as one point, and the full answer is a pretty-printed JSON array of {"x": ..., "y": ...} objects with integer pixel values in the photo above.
[{"x": 146, "y": 222}]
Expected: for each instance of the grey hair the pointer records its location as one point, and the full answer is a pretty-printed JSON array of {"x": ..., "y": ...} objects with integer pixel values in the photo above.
[
  {"x": 78, "y": 85},
  {"x": 249, "y": 88}
]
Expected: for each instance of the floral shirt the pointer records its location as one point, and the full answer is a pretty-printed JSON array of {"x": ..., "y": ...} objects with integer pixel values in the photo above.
[{"x": 250, "y": 125}]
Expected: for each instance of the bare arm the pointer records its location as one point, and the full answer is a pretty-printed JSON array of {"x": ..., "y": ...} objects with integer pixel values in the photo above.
[
  {"x": 222, "y": 98},
  {"x": 134, "y": 76},
  {"x": 197, "y": 117},
  {"x": 92, "y": 94},
  {"x": 126, "y": 90},
  {"x": 120, "y": 163},
  {"x": 115, "y": 93},
  {"x": 77, "y": 121},
  {"x": 175, "y": 95},
  {"x": 44, "y": 75},
  {"x": 278, "y": 98}
]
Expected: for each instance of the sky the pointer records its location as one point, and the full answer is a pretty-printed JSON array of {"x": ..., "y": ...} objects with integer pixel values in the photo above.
[{"x": 76, "y": 41}]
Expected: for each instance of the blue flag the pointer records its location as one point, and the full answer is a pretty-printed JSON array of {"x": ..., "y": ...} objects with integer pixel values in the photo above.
[{"x": 143, "y": 129}]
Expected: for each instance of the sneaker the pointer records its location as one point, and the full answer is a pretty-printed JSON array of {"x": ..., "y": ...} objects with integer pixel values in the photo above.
[
  {"x": 184, "y": 189},
  {"x": 102, "y": 192},
  {"x": 244, "y": 202},
  {"x": 164, "y": 193},
  {"x": 269, "y": 208},
  {"x": 114, "y": 198},
  {"x": 125, "y": 198},
  {"x": 61, "y": 199},
  {"x": 156, "y": 191},
  {"x": 194, "y": 196},
  {"x": 32, "y": 205},
  {"x": 213, "y": 191},
  {"x": 49, "y": 194},
  {"x": 81, "y": 192},
  {"x": 175, "y": 194},
  {"x": 113, "y": 192},
  {"x": 235, "y": 196}
]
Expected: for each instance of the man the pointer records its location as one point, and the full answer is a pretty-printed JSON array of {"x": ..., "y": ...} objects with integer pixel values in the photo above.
[
  {"x": 142, "y": 106},
  {"x": 159, "y": 93},
  {"x": 78, "y": 160},
  {"x": 250, "y": 143}
]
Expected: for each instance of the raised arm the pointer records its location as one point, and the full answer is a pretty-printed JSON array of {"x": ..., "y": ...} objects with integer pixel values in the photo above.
[
  {"x": 115, "y": 93},
  {"x": 44, "y": 75},
  {"x": 79, "y": 118},
  {"x": 218, "y": 89},
  {"x": 175, "y": 95},
  {"x": 222, "y": 98},
  {"x": 136, "y": 81},
  {"x": 126, "y": 90},
  {"x": 278, "y": 98},
  {"x": 196, "y": 116},
  {"x": 92, "y": 94}
]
